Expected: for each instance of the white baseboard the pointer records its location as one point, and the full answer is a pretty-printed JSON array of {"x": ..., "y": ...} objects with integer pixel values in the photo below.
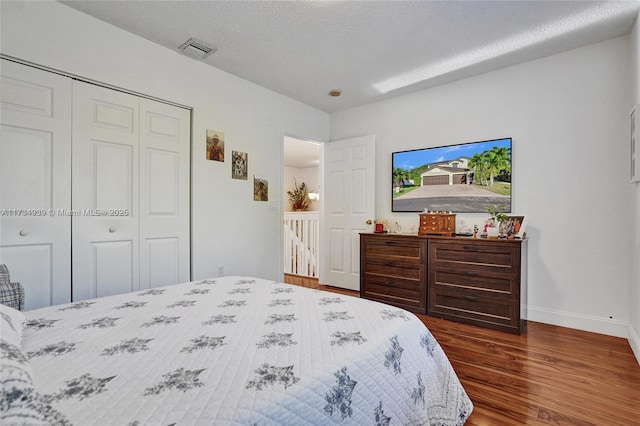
[
  {"x": 579, "y": 321},
  {"x": 634, "y": 341}
]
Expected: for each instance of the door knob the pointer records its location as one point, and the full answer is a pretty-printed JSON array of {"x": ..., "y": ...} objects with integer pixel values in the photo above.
[
  {"x": 24, "y": 232},
  {"x": 112, "y": 229},
  {"x": 369, "y": 222}
]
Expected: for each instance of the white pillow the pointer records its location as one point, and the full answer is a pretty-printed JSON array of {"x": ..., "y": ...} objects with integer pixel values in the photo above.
[{"x": 11, "y": 325}]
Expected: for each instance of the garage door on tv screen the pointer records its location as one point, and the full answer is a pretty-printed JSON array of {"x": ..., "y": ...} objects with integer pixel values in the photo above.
[{"x": 462, "y": 178}]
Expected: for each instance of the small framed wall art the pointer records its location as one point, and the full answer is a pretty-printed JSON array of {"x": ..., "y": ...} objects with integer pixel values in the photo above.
[
  {"x": 239, "y": 165},
  {"x": 260, "y": 189},
  {"x": 215, "y": 145}
]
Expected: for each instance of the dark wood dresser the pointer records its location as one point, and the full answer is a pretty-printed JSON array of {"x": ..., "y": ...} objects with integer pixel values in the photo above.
[
  {"x": 393, "y": 270},
  {"x": 476, "y": 281}
]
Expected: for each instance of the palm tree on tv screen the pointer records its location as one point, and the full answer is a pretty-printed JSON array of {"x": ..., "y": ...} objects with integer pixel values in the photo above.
[
  {"x": 498, "y": 161},
  {"x": 476, "y": 163},
  {"x": 399, "y": 176},
  {"x": 489, "y": 164}
]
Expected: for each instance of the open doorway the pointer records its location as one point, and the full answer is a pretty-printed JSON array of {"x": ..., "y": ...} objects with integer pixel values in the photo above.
[{"x": 302, "y": 198}]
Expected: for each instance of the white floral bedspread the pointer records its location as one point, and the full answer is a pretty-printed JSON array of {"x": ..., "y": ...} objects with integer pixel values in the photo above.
[{"x": 242, "y": 351}]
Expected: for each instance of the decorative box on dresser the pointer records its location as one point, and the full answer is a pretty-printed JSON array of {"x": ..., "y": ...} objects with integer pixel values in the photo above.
[
  {"x": 393, "y": 270},
  {"x": 437, "y": 223},
  {"x": 478, "y": 281}
]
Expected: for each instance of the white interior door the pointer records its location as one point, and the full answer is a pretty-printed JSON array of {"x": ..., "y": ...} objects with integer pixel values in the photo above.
[
  {"x": 164, "y": 194},
  {"x": 105, "y": 171},
  {"x": 35, "y": 182},
  {"x": 349, "y": 192}
]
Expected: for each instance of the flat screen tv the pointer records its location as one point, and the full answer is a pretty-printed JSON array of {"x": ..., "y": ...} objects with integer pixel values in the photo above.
[{"x": 462, "y": 178}]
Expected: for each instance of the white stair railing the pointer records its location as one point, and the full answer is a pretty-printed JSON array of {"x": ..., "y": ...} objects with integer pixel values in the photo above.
[{"x": 301, "y": 243}]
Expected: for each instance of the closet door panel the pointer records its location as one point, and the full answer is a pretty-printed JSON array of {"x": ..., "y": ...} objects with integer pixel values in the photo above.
[
  {"x": 105, "y": 192},
  {"x": 105, "y": 279},
  {"x": 26, "y": 165},
  {"x": 164, "y": 200},
  {"x": 26, "y": 93},
  {"x": 162, "y": 261},
  {"x": 113, "y": 167},
  {"x": 35, "y": 182},
  {"x": 162, "y": 183}
]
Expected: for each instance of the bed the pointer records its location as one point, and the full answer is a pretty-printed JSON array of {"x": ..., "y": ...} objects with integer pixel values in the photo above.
[{"x": 230, "y": 350}]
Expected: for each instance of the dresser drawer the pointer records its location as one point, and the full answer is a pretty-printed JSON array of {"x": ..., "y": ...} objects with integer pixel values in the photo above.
[
  {"x": 494, "y": 284},
  {"x": 500, "y": 256},
  {"x": 392, "y": 270},
  {"x": 407, "y": 294},
  {"x": 475, "y": 307},
  {"x": 394, "y": 249}
]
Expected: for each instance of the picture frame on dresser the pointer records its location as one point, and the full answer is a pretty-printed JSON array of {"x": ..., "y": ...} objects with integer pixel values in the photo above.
[{"x": 514, "y": 225}]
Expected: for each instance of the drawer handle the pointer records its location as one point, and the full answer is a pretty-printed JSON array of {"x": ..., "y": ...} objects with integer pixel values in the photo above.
[
  {"x": 471, "y": 248},
  {"x": 472, "y": 298},
  {"x": 471, "y": 273}
]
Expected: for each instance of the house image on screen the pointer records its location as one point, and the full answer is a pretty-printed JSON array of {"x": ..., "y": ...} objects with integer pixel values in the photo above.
[{"x": 453, "y": 172}]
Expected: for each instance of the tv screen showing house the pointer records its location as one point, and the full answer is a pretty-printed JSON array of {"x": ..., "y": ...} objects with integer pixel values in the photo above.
[{"x": 462, "y": 178}]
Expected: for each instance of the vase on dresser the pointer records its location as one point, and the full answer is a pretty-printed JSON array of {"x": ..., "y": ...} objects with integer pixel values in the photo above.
[{"x": 493, "y": 232}]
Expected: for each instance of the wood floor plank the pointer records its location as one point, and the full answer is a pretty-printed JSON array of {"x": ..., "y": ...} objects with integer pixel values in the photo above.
[
  {"x": 567, "y": 383},
  {"x": 549, "y": 375},
  {"x": 584, "y": 376},
  {"x": 525, "y": 393}
]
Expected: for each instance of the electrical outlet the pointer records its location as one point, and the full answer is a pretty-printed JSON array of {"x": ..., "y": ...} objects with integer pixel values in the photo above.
[{"x": 220, "y": 271}]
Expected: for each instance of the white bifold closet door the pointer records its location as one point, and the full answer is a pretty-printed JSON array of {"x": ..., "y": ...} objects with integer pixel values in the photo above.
[
  {"x": 35, "y": 182},
  {"x": 165, "y": 140},
  {"x": 130, "y": 193}
]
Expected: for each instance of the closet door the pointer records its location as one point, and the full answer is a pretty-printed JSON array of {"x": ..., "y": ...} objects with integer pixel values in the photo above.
[
  {"x": 105, "y": 192},
  {"x": 164, "y": 194},
  {"x": 35, "y": 182}
]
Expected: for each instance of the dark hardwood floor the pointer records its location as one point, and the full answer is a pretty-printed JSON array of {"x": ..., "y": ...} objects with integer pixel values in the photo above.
[{"x": 549, "y": 375}]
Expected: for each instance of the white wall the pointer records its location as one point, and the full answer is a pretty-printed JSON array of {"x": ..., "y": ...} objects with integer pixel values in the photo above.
[
  {"x": 308, "y": 175},
  {"x": 634, "y": 299},
  {"x": 228, "y": 227},
  {"x": 568, "y": 116}
]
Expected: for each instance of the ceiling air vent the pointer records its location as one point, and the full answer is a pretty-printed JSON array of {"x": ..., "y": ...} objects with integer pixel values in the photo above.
[{"x": 197, "y": 49}]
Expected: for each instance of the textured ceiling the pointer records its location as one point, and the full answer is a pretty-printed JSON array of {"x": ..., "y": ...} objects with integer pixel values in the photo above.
[{"x": 369, "y": 50}]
